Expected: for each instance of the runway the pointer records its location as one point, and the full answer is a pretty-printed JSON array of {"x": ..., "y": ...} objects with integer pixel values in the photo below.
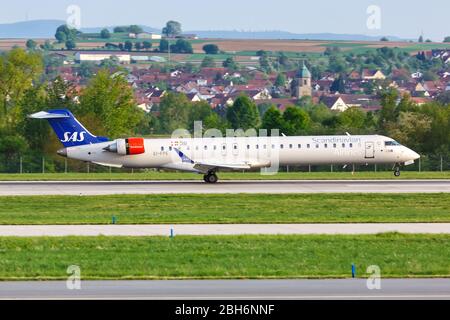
[
  {"x": 347, "y": 289},
  {"x": 199, "y": 187},
  {"x": 221, "y": 229}
]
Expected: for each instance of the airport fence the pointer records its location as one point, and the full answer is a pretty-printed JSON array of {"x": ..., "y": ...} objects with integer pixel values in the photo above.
[{"x": 46, "y": 164}]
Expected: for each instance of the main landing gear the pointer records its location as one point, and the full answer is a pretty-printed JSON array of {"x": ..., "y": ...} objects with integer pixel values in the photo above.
[
  {"x": 211, "y": 177},
  {"x": 397, "y": 170}
]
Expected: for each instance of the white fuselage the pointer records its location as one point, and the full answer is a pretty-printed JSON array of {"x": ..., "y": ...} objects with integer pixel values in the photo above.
[{"x": 256, "y": 152}]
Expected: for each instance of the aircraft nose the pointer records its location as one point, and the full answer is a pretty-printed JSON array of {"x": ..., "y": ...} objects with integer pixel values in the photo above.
[
  {"x": 62, "y": 152},
  {"x": 414, "y": 155}
]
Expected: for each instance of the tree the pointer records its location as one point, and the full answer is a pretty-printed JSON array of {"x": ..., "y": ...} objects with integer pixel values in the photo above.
[
  {"x": 135, "y": 29},
  {"x": 64, "y": 33},
  {"x": 120, "y": 29},
  {"x": 261, "y": 53},
  {"x": 86, "y": 69},
  {"x": 229, "y": 63},
  {"x": 172, "y": 29},
  {"x": 447, "y": 39},
  {"x": 105, "y": 34},
  {"x": 182, "y": 46},
  {"x": 384, "y": 39},
  {"x": 138, "y": 46},
  {"x": 108, "y": 104},
  {"x": 211, "y": 49},
  {"x": 272, "y": 119},
  {"x": 174, "y": 112},
  {"x": 47, "y": 46},
  {"x": 295, "y": 120},
  {"x": 128, "y": 46},
  {"x": 31, "y": 44},
  {"x": 208, "y": 62},
  {"x": 243, "y": 114},
  {"x": 421, "y": 38},
  {"x": 147, "y": 45},
  {"x": 19, "y": 71},
  {"x": 163, "y": 45},
  {"x": 338, "y": 85},
  {"x": 71, "y": 44},
  {"x": 389, "y": 112},
  {"x": 61, "y": 37},
  {"x": 280, "y": 80},
  {"x": 352, "y": 119}
]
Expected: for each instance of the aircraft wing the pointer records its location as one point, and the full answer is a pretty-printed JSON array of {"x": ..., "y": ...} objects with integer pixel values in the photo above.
[{"x": 205, "y": 167}]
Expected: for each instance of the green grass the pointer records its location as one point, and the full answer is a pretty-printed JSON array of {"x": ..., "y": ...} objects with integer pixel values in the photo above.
[
  {"x": 224, "y": 257},
  {"x": 153, "y": 175},
  {"x": 217, "y": 208}
]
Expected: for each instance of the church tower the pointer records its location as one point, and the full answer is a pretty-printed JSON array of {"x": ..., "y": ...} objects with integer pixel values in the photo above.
[{"x": 303, "y": 83}]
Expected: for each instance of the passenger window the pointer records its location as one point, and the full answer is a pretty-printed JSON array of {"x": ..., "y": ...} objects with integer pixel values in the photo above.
[
  {"x": 334, "y": 145},
  {"x": 317, "y": 146},
  {"x": 343, "y": 145},
  {"x": 162, "y": 148},
  {"x": 351, "y": 145},
  {"x": 264, "y": 147},
  {"x": 196, "y": 148},
  {"x": 308, "y": 145},
  {"x": 281, "y": 146},
  {"x": 273, "y": 146},
  {"x": 299, "y": 146},
  {"x": 326, "y": 145},
  {"x": 170, "y": 148},
  {"x": 235, "y": 147},
  {"x": 215, "y": 147},
  {"x": 248, "y": 147},
  {"x": 290, "y": 146},
  {"x": 257, "y": 147},
  {"x": 206, "y": 147}
]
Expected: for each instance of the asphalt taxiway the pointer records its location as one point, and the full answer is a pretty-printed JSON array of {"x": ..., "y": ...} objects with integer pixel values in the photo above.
[
  {"x": 227, "y": 186},
  {"x": 221, "y": 229},
  {"x": 397, "y": 289}
]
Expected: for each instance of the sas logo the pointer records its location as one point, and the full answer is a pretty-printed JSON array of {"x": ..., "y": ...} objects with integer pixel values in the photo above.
[{"x": 74, "y": 137}]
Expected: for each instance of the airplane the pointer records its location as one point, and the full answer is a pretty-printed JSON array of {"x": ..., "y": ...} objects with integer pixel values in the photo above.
[{"x": 209, "y": 155}]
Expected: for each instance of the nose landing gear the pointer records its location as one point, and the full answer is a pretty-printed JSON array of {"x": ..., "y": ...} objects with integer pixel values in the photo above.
[
  {"x": 211, "y": 177},
  {"x": 397, "y": 170}
]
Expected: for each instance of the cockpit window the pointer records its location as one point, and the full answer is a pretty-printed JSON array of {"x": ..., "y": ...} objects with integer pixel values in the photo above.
[{"x": 391, "y": 143}]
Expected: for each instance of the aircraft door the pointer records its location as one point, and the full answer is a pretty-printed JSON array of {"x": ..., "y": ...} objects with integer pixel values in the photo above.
[{"x": 370, "y": 150}]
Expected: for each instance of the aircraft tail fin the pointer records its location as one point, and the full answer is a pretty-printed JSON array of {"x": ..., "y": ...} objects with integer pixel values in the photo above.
[{"x": 69, "y": 130}]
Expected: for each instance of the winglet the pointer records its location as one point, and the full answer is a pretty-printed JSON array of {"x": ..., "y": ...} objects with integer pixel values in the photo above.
[{"x": 184, "y": 158}]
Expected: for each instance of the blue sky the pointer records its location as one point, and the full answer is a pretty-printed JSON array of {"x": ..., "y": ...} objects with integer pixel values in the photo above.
[{"x": 404, "y": 18}]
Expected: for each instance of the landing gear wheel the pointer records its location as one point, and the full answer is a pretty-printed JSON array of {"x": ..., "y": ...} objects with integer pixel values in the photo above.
[
  {"x": 397, "y": 171},
  {"x": 211, "y": 178}
]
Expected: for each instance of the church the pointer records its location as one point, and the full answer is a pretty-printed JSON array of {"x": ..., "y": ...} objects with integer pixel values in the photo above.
[{"x": 303, "y": 83}]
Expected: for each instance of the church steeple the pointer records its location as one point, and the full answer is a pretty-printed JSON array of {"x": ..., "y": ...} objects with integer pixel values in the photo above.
[{"x": 303, "y": 82}]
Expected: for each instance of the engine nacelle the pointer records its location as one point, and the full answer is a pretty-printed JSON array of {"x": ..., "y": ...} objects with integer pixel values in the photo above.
[{"x": 125, "y": 147}]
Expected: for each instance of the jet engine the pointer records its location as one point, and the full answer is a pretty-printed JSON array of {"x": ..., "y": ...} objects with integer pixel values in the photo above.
[{"x": 125, "y": 147}]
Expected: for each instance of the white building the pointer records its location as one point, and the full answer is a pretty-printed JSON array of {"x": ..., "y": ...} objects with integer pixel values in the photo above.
[
  {"x": 148, "y": 35},
  {"x": 100, "y": 56}
]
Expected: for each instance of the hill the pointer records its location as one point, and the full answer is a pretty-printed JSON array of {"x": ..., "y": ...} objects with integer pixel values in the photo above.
[{"x": 46, "y": 29}]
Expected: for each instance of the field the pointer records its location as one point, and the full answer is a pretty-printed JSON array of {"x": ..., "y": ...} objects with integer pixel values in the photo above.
[
  {"x": 225, "y": 257},
  {"x": 236, "y": 208},
  {"x": 158, "y": 176}
]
